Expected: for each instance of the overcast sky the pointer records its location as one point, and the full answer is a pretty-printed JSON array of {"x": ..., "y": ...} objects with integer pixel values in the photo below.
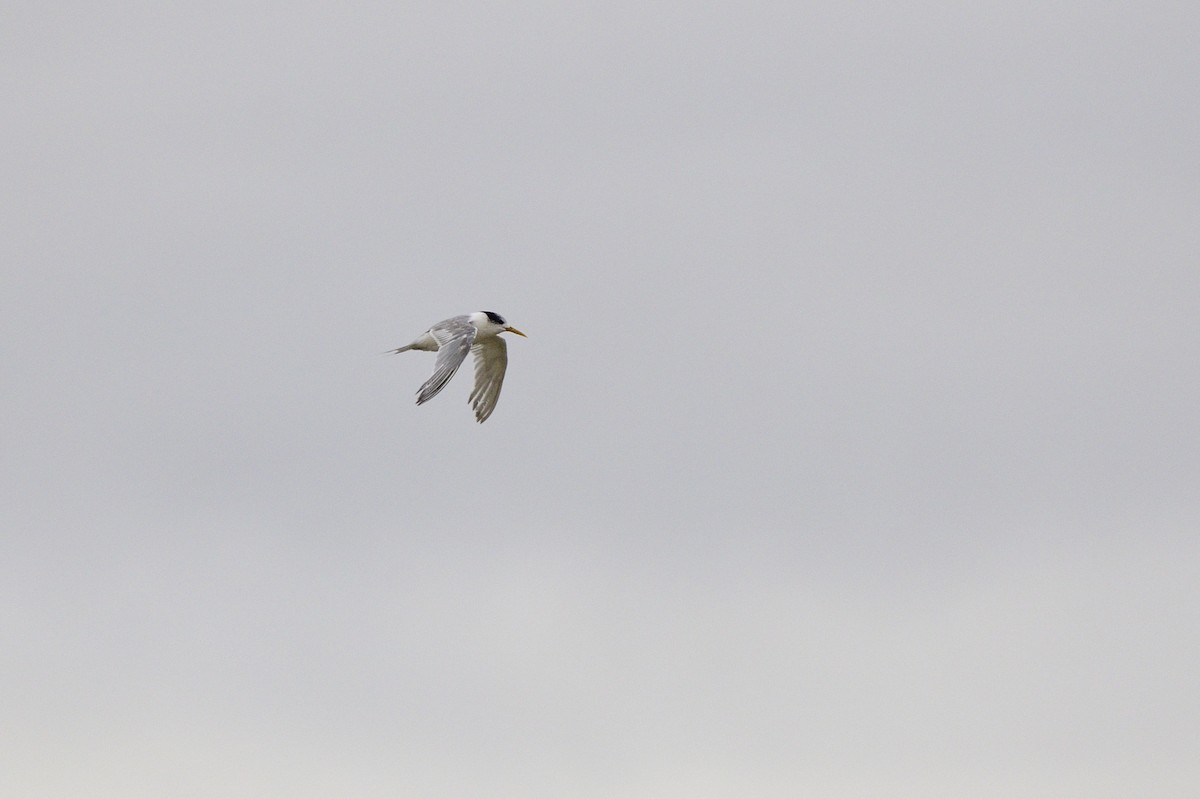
[{"x": 854, "y": 450}]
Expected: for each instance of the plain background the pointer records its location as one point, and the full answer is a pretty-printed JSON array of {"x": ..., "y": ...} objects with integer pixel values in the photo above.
[{"x": 852, "y": 452}]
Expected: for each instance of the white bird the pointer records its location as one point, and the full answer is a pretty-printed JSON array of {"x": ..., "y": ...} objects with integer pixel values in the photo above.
[{"x": 451, "y": 339}]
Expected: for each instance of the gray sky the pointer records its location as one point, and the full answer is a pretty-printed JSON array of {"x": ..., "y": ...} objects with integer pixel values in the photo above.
[{"x": 852, "y": 452}]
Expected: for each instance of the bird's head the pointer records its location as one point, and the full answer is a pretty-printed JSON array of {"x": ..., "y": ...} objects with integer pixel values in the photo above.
[{"x": 492, "y": 322}]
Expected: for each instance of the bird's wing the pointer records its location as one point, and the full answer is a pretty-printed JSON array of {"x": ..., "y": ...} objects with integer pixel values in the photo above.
[
  {"x": 491, "y": 359},
  {"x": 454, "y": 337}
]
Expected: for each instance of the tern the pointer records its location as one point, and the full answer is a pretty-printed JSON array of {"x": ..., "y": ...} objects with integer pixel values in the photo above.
[{"x": 452, "y": 339}]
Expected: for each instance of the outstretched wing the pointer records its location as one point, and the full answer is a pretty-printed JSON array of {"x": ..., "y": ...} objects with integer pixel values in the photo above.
[
  {"x": 491, "y": 360},
  {"x": 454, "y": 338}
]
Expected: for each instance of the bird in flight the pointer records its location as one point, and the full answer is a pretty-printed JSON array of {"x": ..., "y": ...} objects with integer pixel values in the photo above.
[{"x": 452, "y": 339}]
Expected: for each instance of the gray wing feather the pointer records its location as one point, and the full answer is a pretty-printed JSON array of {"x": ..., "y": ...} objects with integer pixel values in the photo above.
[
  {"x": 454, "y": 338},
  {"x": 491, "y": 361}
]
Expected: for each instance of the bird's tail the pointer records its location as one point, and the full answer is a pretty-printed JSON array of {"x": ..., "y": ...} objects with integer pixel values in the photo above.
[{"x": 398, "y": 350}]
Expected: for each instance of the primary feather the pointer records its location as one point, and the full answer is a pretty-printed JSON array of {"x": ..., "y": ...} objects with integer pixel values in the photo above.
[{"x": 491, "y": 361}]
